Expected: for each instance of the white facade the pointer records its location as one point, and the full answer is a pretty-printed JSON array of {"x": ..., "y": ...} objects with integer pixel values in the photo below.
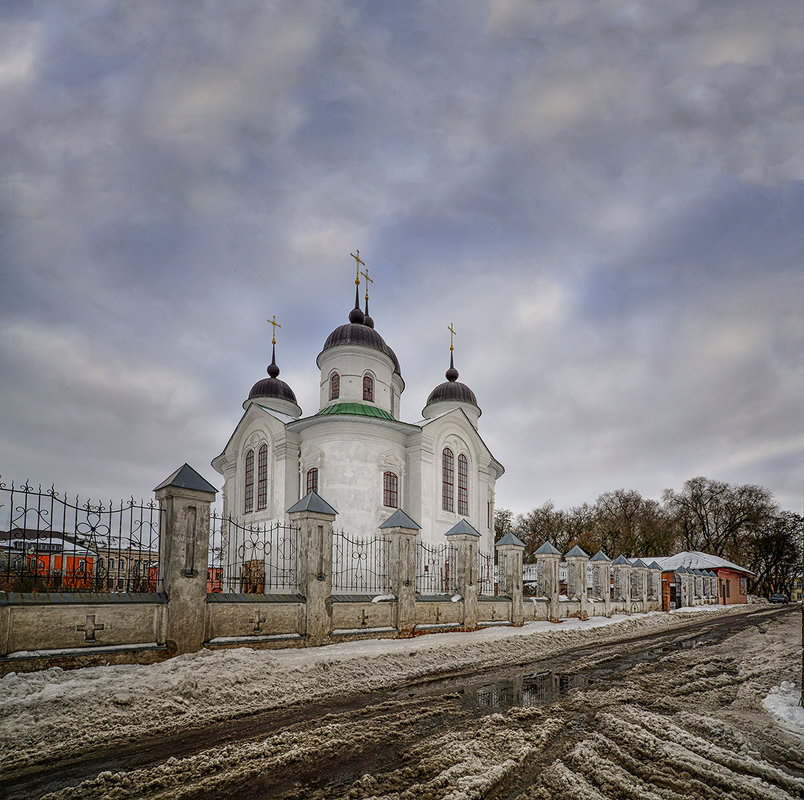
[{"x": 355, "y": 441}]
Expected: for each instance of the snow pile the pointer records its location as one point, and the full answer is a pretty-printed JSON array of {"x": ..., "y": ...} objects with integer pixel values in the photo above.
[
  {"x": 56, "y": 712},
  {"x": 782, "y": 704}
]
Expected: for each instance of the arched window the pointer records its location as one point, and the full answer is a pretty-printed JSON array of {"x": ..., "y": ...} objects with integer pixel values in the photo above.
[
  {"x": 334, "y": 386},
  {"x": 390, "y": 490},
  {"x": 312, "y": 480},
  {"x": 248, "y": 496},
  {"x": 368, "y": 388},
  {"x": 463, "y": 486},
  {"x": 262, "y": 477},
  {"x": 447, "y": 480}
]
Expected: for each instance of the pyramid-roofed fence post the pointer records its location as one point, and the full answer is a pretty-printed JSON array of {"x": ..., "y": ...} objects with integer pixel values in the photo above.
[
  {"x": 577, "y": 561},
  {"x": 655, "y": 586},
  {"x": 510, "y": 550},
  {"x": 689, "y": 581},
  {"x": 601, "y": 579},
  {"x": 683, "y": 588},
  {"x": 643, "y": 573},
  {"x": 622, "y": 583},
  {"x": 404, "y": 535},
  {"x": 712, "y": 587},
  {"x": 547, "y": 560},
  {"x": 314, "y": 518},
  {"x": 466, "y": 539},
  {"x": 185, "y": 498}
]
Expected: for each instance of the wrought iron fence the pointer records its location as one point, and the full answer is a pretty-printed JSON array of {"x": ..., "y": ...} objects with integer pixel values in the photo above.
[
  {"x": 360, "y": 564},
  {"x": 50, "y": 542},
  {"x": 256, "y": 558},
  {"x": 486, "y": 579},
  {"x": 436, "y": 568}
]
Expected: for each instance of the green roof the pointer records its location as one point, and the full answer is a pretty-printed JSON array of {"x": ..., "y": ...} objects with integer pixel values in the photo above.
[{"x": 357, "y": 409}]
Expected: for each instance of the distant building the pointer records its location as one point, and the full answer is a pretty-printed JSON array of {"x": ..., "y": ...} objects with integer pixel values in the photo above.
[
  {"x": 45, "y": 561},
  {"x": 732, "y": 580}
]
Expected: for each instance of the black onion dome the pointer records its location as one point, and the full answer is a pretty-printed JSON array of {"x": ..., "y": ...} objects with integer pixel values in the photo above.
[
  {"x": 452, "y": 390},
  {"x": 362, "y": 335},
  {"x": 272, "y": 386}
]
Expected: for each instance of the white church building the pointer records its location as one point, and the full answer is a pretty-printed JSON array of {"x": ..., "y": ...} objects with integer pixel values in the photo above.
[{"x": 354, "y": 450}]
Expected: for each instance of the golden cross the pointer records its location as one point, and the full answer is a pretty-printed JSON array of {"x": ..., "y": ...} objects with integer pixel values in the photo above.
[
  {"x": 357, "y": 266},
  {"x": 368, "y": 280},
  {"x": 276, "y": 325},
  {"x": 451, "y": 334}
]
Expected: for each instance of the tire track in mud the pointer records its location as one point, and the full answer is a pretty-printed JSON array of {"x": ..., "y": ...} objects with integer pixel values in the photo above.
[{"x": 426, "y": 740}]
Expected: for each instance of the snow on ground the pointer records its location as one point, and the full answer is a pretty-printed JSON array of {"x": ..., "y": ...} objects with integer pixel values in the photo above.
[
  {"x": 782, "y": 703},
  {"x": 68, "y": 712},
  {"x": 677, "y": 723}
]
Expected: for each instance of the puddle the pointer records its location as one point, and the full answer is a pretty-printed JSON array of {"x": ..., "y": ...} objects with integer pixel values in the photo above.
[
  {"x": 528, "y": 688},
  {"x": 524, "y": 691}
]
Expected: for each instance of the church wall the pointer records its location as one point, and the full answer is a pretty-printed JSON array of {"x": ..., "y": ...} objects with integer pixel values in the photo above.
[
  {"x": 355, "y": 452},
  {"x": 283, "y": 478},
  {"x": 460, "y": 437},
  {"x": 352, "y": 363}
]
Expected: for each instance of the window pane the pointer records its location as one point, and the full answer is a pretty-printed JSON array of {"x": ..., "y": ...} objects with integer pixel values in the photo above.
[
  {"x": 335, "y": 387},
  {"x": 312, "y": 480},
  {"x": 447, "y": 480},
  {"x": 368, "y": 388},
  {"x": 248, "y": 502},
  {"x": 463, "y": 486},
  {"x": 262, "y": 478},
  {"x": 390, "y": 490}
]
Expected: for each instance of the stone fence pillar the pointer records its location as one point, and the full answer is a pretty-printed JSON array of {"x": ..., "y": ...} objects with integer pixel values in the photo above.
[
  {"x": 547, "y": 559},
  {"x": 601, "y": 579},
  {"x": 315, "y": 517},
  {"x": 683, "y": 586},
  {"x": 466, "y": 539},
  {"x": 712, "y": 579},
  {"x": 510, "y": 550},
  {"x": 577, "y": 561},
  {"x": 185, "y": 499},
  {"x": 643, "y": 573},
  {"x": 404, "y": 535},
  {"x": 655, "y": 578},
  {"x": 622, "y": 580}
]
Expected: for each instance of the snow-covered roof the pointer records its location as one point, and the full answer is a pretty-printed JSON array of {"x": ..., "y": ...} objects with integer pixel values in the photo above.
[
  {"x": 693, "y": 559},
  {"x": 48, "y": 542}
]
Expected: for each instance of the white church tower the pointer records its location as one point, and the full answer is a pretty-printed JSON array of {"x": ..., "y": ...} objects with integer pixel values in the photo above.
[{"x": 354, "y": 450}]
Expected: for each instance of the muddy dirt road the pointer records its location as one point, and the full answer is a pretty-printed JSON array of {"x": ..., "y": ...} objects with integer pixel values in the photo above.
[{"x": 667, "y": 714}]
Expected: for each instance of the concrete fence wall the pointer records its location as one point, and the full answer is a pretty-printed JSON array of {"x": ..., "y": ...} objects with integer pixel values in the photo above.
[{"x": 38, "y": 630}]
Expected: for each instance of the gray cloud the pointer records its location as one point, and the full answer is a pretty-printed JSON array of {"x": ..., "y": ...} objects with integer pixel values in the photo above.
[{"x": 604, "y": 197}]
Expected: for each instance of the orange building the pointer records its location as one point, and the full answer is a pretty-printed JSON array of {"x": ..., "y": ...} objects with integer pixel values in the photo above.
[{"x": 44, "y": 562}]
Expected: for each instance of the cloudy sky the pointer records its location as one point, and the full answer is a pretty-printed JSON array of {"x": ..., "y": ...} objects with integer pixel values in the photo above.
[{"x": 606, "y": 199}]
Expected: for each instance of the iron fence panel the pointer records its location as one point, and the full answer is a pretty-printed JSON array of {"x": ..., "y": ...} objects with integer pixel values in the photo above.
[
  {"x": 486, "y": 579},
  {"x": 436, "y": 568},
  {"x": 253, "y": 558},
  {"x": 360, "y": 564},
  {"x": 50, "y": 542}
]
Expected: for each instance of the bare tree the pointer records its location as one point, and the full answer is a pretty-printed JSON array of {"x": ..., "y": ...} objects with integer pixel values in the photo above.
[
  {"x": 714, "y": 517},
  {"x": 503, "y": 522},
  {"x": 772, "y": 553}
]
